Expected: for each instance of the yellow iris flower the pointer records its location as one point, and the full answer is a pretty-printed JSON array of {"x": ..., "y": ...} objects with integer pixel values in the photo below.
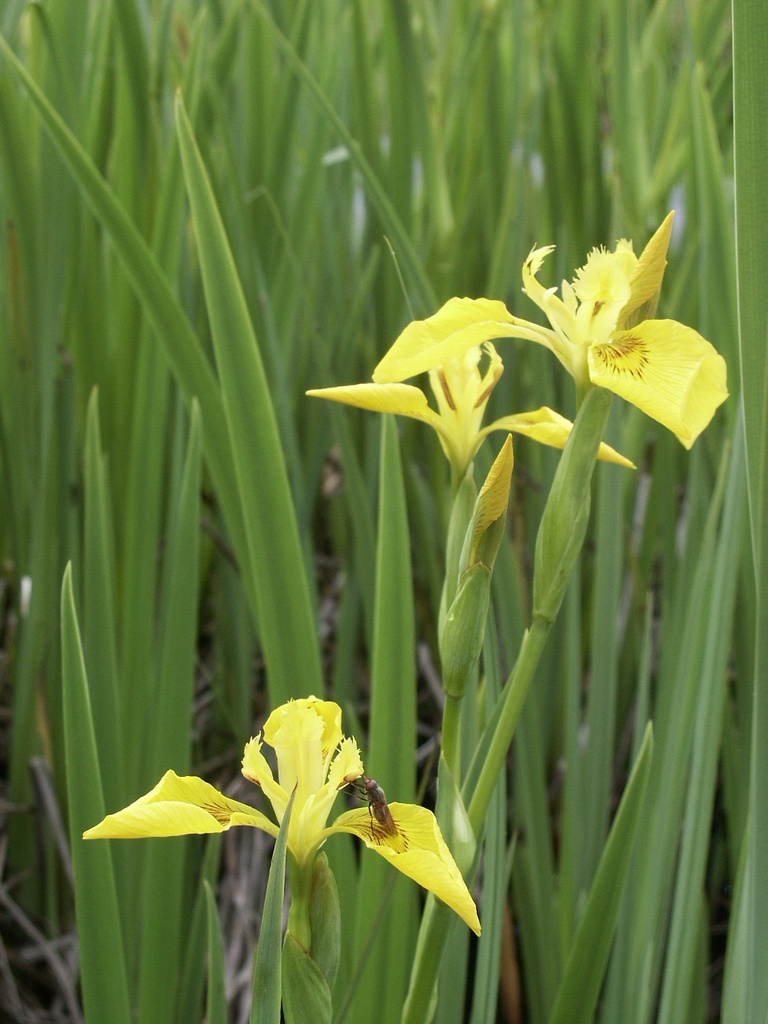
[
  {"x": 601, "y": 330},
  {"x": 454, "y": 347},
  {"x": 315, "y": 760}
]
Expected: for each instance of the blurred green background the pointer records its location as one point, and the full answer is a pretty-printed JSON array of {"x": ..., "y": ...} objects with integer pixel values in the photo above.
[{"x": 368, "y": 161}]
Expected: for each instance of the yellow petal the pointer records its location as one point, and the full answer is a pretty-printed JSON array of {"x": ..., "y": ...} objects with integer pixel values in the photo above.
[
  {"x": 457, "y": 326},
  {"x": 347, "y": 765},
  {"x": 532, "y": 288},
  {"x": 418, "y": 850},
  {"x": 327, "y": 711},
  {"x": 178, "y": 806},
  {"x": 667, "y": 370},
  {"x": 400, "y": 399},
  {"x": 296, "y": 733},
  {"x": 647, "y": 275},
  {"x": 549, "y": 427}
]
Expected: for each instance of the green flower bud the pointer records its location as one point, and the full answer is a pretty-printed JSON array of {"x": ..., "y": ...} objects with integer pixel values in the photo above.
[
  {"x": 564, "y": 523},
  {"x": 490, "y": 517},
  {"x": 461, "y": 638},
  {"x": 325, "y": 919},
  {"x": 462, "y": 630},
  {"x": 306, "y": 995}
]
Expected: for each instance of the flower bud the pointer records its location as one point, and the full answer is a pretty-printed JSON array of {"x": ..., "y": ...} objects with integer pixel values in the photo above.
[
  {"x": 462, "y": 631},
  {"x": 325, "y": 919},
  {"x": 564, "y": 523}
]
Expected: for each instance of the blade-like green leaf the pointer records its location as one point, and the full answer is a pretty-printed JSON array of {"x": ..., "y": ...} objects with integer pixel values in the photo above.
[
  {"x": 267, "y": 964},
  {"x": 173, "y": 329},
  {"x": 216, "y": 998},
  {"x": 167, "y": 732},
  {"x": 579, "y": 989},
  {"x": 390, "y": 744},
  {"x": 99, "y": 611},
  {"x": 277, "y": 570},
  {"x": 103, "y": 969},
  {"x": 746, "y": 989},
  {"x": 411, "y": 265}
]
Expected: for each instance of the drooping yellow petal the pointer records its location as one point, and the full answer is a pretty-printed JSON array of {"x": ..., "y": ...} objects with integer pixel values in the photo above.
[
  {"x": 667, "y": 370},
  {"x": 400, "y": 399},
  {"x": 178, "y": 806},
  {"x": 418, "y": 849},
  {"x": 456, "y": 327},
  {"x": 548, "y": 427},
  {"x": 645, "y": 280}
]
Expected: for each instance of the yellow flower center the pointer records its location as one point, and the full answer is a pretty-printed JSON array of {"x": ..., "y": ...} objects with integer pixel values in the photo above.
[
  {"x": 462, "y": 388},
  {"x": 626, "y": 356},
  {"x": 313, "y": 758}
]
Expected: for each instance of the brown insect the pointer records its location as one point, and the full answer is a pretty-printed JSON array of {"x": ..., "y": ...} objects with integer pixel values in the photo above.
[{"x": 377, "y": 803}]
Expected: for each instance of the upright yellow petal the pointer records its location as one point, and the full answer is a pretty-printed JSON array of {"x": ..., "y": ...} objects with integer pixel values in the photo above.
[
  {"x": 347, "y": 765},
  {"x": 418, "y": 849},
  {"x": 531, "y": 286},
  {"x": 457, "y": 326},
  {"x": 667, "y": 370},
  {"x": 295, "y": 731},
  {"x": 178, "y": 806},
  {"x": 328, "y": 711},
  {"x": 647, "y": 276}
]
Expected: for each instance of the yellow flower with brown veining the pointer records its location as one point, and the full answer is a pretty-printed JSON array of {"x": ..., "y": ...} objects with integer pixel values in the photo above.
[
  {"x": 602, "y": 330},
  {"x": 453, "y": 346},
  {"x": 315, "y": 760}
]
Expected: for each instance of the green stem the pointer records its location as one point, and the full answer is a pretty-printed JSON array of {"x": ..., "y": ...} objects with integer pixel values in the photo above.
[
  {"x": 435, "y": 925},
  {"x": 464, "y": 497},
  {"x": 451, "y": 734},
  {"x": 559, "y": 542},
  {"x": 300, "y": 883},
  {"x": 511, "y": 704}
]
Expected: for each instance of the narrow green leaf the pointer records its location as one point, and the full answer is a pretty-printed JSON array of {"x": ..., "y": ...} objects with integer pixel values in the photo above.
[
  {"x": 411, "y": 265},
  {"x": 103, "y": 969},
  {"x": 216, "y": 997},
  {"x": 99, "y": 610},
  {"x": 277, "y": 570},
  {"x": 604, "y": 654},
  {"x": 390, "y": 743},
  {"x": 746, "y": 989},
  {"x": 167, "y": 734},
  {"x": 580, "y": 987},
  {"x": 695, "y": 848},
  {"x": 267, "y": 964},
  {"x": 191, "y": 977},
  {"x": 174, "y": 332}
]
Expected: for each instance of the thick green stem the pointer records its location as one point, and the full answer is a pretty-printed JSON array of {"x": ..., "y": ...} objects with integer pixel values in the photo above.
[
  {"x": 559, "y": 542},
  {"x": 451, "y": 733},
  {"x": 511, "y": 704},
  {"x": 435, "y": 925},
  {"x": 300, "y": 883}
]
